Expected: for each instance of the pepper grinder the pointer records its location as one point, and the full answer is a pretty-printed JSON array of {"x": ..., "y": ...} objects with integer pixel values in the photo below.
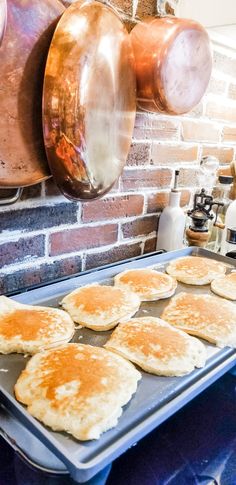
[{"x": 197, "y": 234}]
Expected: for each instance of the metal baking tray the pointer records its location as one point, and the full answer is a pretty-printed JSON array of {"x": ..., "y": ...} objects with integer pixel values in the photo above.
[{"x": 156, "y": 399}]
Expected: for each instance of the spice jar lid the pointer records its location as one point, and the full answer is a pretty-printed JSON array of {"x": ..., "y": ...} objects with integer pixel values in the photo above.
[
  {"x": 231, "y": 235},
  {"x": 226, "y": 179}
]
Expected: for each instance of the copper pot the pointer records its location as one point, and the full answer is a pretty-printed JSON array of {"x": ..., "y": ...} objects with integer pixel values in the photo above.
[
  {"x": 173, "y": 62},
  {"x": 23, "y": 52},
  {"x": 89, "y": 100}
]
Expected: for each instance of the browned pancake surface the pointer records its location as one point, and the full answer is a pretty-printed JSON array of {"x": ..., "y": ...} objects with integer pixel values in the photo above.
[
  {"x": 29, "y": 324},
  {"x": 206, "y": 316},
  {"x": 156, "y": 346},
  {"x": 98, "y": 299},
  {"x": 195, "y": 269},
  {"x": 77, "y": 388}
]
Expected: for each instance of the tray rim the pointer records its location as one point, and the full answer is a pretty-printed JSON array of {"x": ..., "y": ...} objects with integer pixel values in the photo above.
[{"x": 85, "y": 470}]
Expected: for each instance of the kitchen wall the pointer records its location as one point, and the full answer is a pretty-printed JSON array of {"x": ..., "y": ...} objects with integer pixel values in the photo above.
[{"x": 45, "y": 236}]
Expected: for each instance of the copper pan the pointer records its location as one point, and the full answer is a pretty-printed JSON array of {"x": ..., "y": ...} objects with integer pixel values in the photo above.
[
  {"x": 23, "y": 52},
  {"x": 173, "y": 62},
  {"x": 89, "y": 100}
]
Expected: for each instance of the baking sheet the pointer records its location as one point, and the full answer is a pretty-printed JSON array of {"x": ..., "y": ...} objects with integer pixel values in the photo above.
[{"x": 156, "y": 398}]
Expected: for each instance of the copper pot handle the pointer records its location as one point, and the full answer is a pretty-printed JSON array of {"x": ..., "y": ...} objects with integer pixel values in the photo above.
[{"x": 12, "y": 199}]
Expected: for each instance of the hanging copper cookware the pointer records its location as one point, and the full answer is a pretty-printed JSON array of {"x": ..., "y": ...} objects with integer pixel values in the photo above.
[
  {"x": 173, "y": 63},
  {"x": 89, "y": 100},
  {"x": 23, "y": 52}
]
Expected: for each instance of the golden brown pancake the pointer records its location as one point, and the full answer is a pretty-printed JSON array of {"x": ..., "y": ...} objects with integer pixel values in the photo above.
[
  {"x": 206, "y": 316},
  {"x": 195, "y": 270},
  {"x": 225, "y": 286},
  {"x": 148, "y": 284},
  {"x": 77, "y": 388},
  {"x": 157, "y": 347},
  {"x": 29, "y": 329},
  {"x": 100, "y": 307}
]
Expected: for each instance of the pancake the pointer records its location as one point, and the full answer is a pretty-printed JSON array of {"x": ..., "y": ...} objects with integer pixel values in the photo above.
[
  {"x": 147, "y": 283},
  {"x": 225, "y": 286},
  {"x": 77, "y": 388},
  {"x": 157, "y": 347},
  {"x": 205, "y": 316},
  {"x": 28, "y": 329},
  {"x": 195, "y": 270},
  {"x": 100, "y": 307}
]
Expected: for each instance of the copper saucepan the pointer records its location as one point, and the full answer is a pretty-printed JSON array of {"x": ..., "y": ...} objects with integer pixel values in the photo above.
[
  {"x": 89, "y": 100},
  {"x": 23, "y": 52},
  {"x": 173, "y": 62}
]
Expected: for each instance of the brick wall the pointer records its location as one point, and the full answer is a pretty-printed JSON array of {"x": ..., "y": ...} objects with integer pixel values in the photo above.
[{"x": 45, "y": 236}]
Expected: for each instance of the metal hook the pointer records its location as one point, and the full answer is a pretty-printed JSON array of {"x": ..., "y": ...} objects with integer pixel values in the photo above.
[{"x": 12, "y": 199}]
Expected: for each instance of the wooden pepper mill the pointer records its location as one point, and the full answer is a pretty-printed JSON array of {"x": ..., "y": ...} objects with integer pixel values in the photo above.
[{"x": 198, "y": 233}]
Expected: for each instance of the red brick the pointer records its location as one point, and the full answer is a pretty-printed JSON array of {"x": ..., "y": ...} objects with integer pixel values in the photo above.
[
  {"x": 125, "y": 6},
  {"x": 73, "y": 240},
  {"x": 139, "y": 154},
  {"x": 112, "y": 207},
  {"x": 39, "y": 217},
  {"x": 224, "y": 154},
  {"x": 150, "y": 245},
  {"x": 116, "y": 187},
  {"x": 157, "y": 202},
  {"x": 145, "y": 8},
  {"x": 117, "y": 253},
  {"x": 216, "y": 86},
  {"x": 188, "y": 177},
  {"x": 128, "y": 23},
  {"x": 46, "y": 273},
  {"x": 197, "y": 111},
  {"x": 154, "y": 127},
  {"x": 139, "y": 227},
  {"x": 224, "y": 63},
  {"x": 31, "y": 192},
  {"x": 221, "y": 111},
  {"x": 229, "y": 134},
  {"x": 200, "y": 131},
  {"x": 24, "y": 249},
  {"x": 136, "y": 179},
  {"x": 169, "y": 154},
  {"x": 232, "y": 91},
  {"x": 51, "y": 188},
  {"x": 52, "y": 270}
]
